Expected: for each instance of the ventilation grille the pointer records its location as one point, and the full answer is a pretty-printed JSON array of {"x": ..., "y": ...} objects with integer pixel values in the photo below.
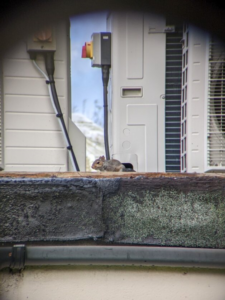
[
  {"x": 216, "y": 105},
  {"x": 173, "y": 99}
]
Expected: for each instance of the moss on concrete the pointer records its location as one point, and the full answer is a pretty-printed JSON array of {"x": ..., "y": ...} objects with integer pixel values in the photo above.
[{"x": 166, "y": 217}]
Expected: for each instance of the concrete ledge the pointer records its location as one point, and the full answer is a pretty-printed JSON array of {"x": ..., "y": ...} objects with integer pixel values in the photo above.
[
  {"x": 50, "y": 209},
  {"x": 185, "y": 210}
]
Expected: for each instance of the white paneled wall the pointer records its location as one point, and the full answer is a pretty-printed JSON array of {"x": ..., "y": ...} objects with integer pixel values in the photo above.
[
  {"x": 137, "y": 118},
  {"x": 33, "y": 140}
]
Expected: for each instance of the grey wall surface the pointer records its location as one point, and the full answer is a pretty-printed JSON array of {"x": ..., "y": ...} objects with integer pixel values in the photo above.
[{"x": 172, "y": 211}]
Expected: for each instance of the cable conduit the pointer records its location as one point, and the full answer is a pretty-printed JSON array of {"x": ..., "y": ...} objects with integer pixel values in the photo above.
[
  {"x": 129, "y": 255},
  {"x": 58, "y": 112}
]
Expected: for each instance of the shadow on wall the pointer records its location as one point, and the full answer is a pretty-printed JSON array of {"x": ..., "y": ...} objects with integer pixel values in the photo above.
[{"x": 31, "y": 15}]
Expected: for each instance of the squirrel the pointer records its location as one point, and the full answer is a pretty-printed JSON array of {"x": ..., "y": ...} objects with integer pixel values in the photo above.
[{"x": 112, "y": 165}]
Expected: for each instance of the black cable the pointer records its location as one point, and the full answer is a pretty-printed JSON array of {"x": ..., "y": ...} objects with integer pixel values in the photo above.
[
  {"x": 105, "y": 80},
  {"x": 50, "y": 68}
]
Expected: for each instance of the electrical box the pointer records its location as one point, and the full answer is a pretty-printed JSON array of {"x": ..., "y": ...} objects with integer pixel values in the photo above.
[
  {"x": 98, "y": 50},
  {"x": 43, "y": 40},
  {"x": 101, "y": 49}
]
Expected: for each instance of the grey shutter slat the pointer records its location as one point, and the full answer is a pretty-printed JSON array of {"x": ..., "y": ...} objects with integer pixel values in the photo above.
[{"x": 173, "y": 99}]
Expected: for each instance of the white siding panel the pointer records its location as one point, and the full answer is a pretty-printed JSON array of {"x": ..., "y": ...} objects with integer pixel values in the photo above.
[
  {"x": 27, "y": 103},
  {"x": 30, "y": 86},
  {"x": 18, "y": 51},
  {"x": 31, "y": 122},
  {"x": 25, "y": 68},
  {"x": 36, "y": 156},
  {"x": 19, "y": 103},
  {"x": 34, "y": 139}
]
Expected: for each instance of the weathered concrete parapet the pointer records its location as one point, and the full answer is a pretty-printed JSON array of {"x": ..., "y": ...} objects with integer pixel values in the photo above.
[
  {"x": 176, "y": 211},
  {"x": 50, "y": 209},
  {"x": 147, "y": 209}
]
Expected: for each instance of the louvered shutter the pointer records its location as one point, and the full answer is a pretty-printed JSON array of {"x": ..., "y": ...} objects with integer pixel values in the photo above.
[
  {"x": 173, "y": 99},
  {"x": 216, "y": 105}
]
